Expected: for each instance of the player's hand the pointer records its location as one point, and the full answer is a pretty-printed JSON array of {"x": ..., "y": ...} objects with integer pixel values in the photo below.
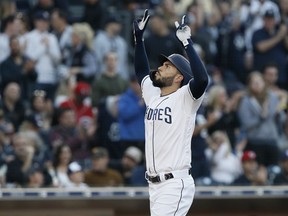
[
  {"x": 183, "y": 31},
  {"x": 139, "y": 26}
]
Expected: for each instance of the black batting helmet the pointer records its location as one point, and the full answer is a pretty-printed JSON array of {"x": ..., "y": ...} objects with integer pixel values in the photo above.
[{"x": 181, "y": 63}]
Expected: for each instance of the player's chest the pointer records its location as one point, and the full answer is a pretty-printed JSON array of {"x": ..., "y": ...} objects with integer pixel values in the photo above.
[{"x": 161, "y": 110}]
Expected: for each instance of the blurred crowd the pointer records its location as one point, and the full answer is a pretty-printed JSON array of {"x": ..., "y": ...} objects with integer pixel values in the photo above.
[{"x": 71, "y": 110}]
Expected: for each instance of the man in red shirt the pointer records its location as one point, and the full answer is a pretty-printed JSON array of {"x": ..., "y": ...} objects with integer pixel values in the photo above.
[{"x": 83, "y": 110}]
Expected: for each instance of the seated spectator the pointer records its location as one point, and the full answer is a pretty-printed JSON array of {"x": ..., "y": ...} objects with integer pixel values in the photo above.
[
  {"x": 6, "y": 133},
  {"x": 18, "y": 168},
  {"x": 225, "y": 166},
  {"x": 100, "y": 175},
  {"x": 14, "y": 110},
  {"x": 35, "y": 178},
  {"x": 76, "y": 176},
  {"x": 282, "y": 178},
  {"x": 253, "y": 173},
  {"x": 132, "y": 158},
  {"x": 66, "y": 131},
  {"x": 41, "y": 110},
  {"x": 83, "y": 110},
  {"x": 59, "y": 170}
]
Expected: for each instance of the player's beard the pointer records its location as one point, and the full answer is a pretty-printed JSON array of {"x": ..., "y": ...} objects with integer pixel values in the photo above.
[{"x": 162, "y": 81}]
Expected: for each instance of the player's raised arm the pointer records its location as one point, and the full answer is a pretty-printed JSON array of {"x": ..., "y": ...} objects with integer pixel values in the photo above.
[
  {"x": 141, "y": 63},
  {"x": 199, "y": 82}
]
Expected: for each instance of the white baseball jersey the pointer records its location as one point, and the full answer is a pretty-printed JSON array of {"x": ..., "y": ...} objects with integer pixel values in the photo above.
[{"x": 169, "y": 125}]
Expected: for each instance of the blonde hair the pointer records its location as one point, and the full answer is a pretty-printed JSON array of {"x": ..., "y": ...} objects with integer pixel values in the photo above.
[
  {"x": 213, "y": 94},
  {"x": 84, "y": 31}
]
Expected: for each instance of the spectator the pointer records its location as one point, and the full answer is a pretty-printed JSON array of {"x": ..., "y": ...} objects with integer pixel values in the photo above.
[
  {"x": 221, "y": 113},
  {"x": 67, "y": 132},
  {"x": 61, "y": 29},
  {"x": 108, "y": 41},
  {"x": 131, "y": 111},
  {"x": 19, "y": 69},
  {"x": 200, "y": 33},
  {"x": 78, "y": 58},
  {"x": 40, "y": 6},
  {"x": 225, "y": 166},
  {"x": 283, "y": 7},
  {"x": 108, "y": 135},
  {"x": 270, "y": 43},
  {"x": 18, "y": 168},
  {"x": 7, "y": 8},
  {"x": 94, "y": 14},
  {"x": 6, "y": 131},
  {"x": 253, "y": 173},
  {"x": 41, "y": 110},
  {"x": 59, "y": 170},
  {"x": 252, "y": 16},
  {"x": 23, "y": 27},
  {"x": 201, "y": 166},
  {"x": 257, "y": 113},
  {"x": 282, "y": 177},
  {"x": 168, "y": 9},
  {"x": 7, "y": 30},
  {"x": 270, "y": 75},
  {"x": 42, "y": 47},
  {"x": 76, "y": 176},
  {"x": 100, "y": 175},
  {"x": 14, "y": 110},
  {"x": 160, "y": 40},
  {"x": 83, "y": 110},
  {"x": 109, "y": 82},
  {"x": 131, "y": 159},
  {"x": 35, "y": 178}
]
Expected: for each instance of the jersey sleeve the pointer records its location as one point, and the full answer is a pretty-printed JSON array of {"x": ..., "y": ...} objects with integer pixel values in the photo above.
[
  {"x": 190, "y": 103},
  {"x": 148, "y": 90}
]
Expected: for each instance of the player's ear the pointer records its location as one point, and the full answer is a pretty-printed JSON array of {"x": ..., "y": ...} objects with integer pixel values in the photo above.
[{"x": 179, "y": 78}]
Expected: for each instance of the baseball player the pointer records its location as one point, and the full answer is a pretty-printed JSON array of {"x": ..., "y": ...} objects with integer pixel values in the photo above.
[{"x": 172, "y": 96}]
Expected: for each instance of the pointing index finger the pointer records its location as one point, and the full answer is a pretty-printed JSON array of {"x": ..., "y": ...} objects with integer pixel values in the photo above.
[{"x": 183, "y": 19}]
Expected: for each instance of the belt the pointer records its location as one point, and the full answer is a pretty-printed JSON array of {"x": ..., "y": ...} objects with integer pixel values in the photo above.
[{"x": 166, "y": 176}]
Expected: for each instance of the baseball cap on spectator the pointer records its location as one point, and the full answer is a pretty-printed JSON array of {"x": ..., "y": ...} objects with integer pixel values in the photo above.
[
  {"x": 42, "y": 15},
  {"x": 82, "y": 89},
  {"x": 134, "y": 153},
  {"x": 99, "y": 152},
  {"x": 284, "y": 155},
  {"x": 74, "y": 167},
  {"x": 269, "y": 13},
  {"x": 248, "y": 156}
]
